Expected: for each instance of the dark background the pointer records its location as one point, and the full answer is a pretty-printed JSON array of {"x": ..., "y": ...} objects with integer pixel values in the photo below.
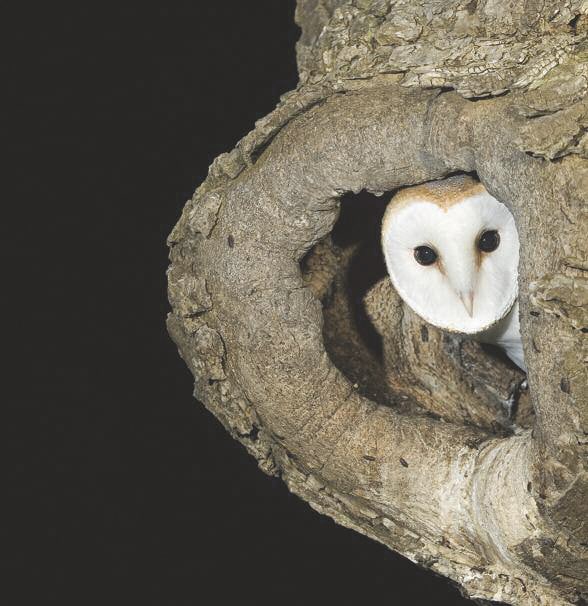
[{"x": 127, "y": 490}]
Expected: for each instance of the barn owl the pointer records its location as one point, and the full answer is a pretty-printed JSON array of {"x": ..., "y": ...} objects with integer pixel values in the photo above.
[{"x": 452, "y": 252}]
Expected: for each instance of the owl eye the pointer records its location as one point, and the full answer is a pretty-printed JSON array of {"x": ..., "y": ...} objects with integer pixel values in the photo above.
[
  {"x": 489, "y": 241},
  {"x": 425, "y": 255}
]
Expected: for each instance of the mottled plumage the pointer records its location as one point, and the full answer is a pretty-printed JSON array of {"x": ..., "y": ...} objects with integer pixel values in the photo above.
[{"x": 452, "y": 253}]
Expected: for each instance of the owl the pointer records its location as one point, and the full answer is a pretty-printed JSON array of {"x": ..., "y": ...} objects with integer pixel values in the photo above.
[{"x": 452, "y": 253}]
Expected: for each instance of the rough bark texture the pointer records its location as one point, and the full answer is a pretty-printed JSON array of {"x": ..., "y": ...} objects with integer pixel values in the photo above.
[{"x": 420, "y": 440}]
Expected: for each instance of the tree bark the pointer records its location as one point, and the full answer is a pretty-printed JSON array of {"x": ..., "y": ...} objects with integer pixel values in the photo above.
[{"x": 431, "y": 446}]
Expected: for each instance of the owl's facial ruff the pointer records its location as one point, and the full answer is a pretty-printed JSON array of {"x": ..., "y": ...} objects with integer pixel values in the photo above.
[{"x": 465, "y": 289}]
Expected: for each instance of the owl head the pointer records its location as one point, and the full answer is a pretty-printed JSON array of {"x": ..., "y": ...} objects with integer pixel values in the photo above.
[{"x": 452, "y": 252}]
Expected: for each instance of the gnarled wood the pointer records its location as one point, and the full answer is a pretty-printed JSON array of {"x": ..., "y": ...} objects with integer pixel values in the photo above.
[{"x": 501, "y": 513}]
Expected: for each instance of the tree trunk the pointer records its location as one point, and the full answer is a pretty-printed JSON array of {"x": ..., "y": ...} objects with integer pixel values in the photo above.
[{"x": 420, "y": 440}]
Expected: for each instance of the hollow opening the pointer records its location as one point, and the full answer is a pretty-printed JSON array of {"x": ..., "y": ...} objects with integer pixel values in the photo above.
[{"x": 348, "y": 265}]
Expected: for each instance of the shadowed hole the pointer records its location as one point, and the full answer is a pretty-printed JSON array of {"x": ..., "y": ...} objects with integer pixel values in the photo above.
[{"x": 341, "y": 270}]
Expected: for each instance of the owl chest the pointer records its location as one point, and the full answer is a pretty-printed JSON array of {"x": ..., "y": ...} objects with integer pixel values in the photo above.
[{"x": 506, "y": 334}]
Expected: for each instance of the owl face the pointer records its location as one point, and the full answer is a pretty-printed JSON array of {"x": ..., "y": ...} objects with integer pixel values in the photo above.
[{"x": 452, "y": 252}]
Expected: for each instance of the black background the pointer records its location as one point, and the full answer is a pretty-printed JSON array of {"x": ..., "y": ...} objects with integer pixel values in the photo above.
[{"x": 127, "y": 490}]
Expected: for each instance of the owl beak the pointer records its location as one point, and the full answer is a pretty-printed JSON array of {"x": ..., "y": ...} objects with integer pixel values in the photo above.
[
  {"x": 467, "y": 298},
  {"x": 462, "y": 274}
]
